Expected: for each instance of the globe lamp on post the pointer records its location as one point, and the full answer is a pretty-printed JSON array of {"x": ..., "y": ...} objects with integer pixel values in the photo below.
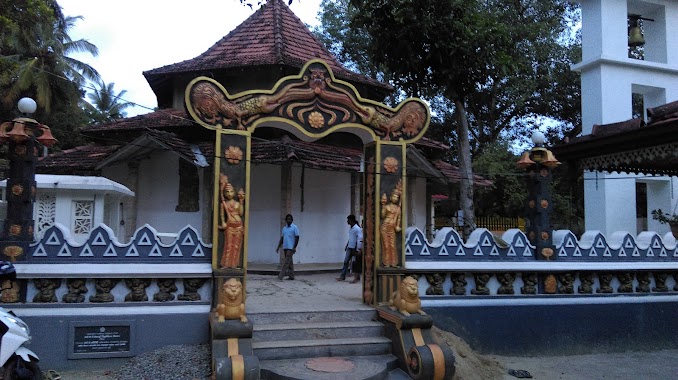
[
  {"x": 538, "y": 162},
  {"x": 24, "y": 136}
]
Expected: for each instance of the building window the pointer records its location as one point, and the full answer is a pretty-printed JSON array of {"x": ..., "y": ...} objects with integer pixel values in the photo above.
[
  {"x": 82, "y": 216},
  {"x": 46, "y": 212},
  {"x": 189, "y": 196}
]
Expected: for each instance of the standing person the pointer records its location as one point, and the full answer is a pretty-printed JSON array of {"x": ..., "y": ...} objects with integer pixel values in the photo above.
[
  {"x": 289, "y": 239},
  {"x": 358, "y": 257},
  {"x": 354, "y": 236}
]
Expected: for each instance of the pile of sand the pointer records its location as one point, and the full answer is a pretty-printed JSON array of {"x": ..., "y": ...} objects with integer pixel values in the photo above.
[{"x": 470, "y": 364}]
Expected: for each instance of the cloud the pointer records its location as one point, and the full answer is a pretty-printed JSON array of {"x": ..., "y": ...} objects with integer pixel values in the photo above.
[{"x": 140, "y": 35}]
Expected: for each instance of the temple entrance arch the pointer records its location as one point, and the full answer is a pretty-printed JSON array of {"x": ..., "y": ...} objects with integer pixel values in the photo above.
[{"x": 311, "y": 105}]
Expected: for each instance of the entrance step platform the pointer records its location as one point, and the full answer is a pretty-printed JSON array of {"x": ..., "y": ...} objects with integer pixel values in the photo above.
[
  {"x": 323, "y": 344},
  {"x": 373, "y": 367},
  {"x": 311, "y": 268}
]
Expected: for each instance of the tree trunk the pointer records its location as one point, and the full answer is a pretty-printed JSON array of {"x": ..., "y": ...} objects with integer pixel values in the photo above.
[{"x": 466, "y": 171}]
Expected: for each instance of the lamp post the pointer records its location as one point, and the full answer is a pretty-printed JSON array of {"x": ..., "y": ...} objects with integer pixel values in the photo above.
[
  {"x": 24, "y": 136},
  {"x": 539, "y": 162}
]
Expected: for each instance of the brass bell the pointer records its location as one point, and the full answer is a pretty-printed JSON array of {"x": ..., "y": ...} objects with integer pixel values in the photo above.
[
  {"x": 636, "y": 36},
  {"x": 525, "y": 161},
  {"x": 18, "y": 132},
  {"x": 635, "y": 33},
  {"x": 3, "y": 131},
  {"x": 550, "y": 161},
  {"x": 46, "y": 137}
]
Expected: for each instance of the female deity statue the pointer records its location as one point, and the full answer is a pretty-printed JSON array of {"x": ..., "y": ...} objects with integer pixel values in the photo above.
[
  {"x": 230, "y": 217},
  {"x": 390, "y": 227}
]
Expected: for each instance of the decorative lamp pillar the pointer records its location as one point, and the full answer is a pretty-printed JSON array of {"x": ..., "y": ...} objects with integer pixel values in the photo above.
[
  {"x": 23, "y": 135},
  {"x": 538, "y": 162}
]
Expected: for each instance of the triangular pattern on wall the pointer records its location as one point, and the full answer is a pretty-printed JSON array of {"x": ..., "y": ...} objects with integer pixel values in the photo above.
[
  {"x": 569, "y": 242},
  {"x": 494, "y": 251},
  {"x": 460, "y": 251},
  {"x": 40, "y": 251},
  {"x": 408, "y": 251},
  {"x": 443, "y": 251},
  {"x": 145, "y": 240},
  {"x": 198, "y": 252},
  {"x": 486, "y": 241},
  {"x": 577, "y": 252},
  {"x": 110, "y": 251},
  {"x": 176, "y": 252},
  {"x": 636, "y": 252},
  {"x": 53, "y": 239},
  {"x": 600, "y": 243},
  {"x": 86, "y": 251},
  {"x": 478, "y": 251},
  {"x": 511, "y": 252},
  {"x": 425, "y": 251},
  {"x": 416, "y": 241},
  {"x": 99, "y": 239},
  {"x": 64, "y": 251},
  {"x": 155, "y": 251},
  {"x": 132, "y": 251},
  {"x": 188, "y": 240},
  {"x": 527, "y": 252},
  {"x": 452, "y": 241}
]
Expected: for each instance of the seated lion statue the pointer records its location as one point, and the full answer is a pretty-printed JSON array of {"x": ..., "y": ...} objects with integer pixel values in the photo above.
[
  {"x": 231, "y": 305},
  {"x": 406, "y": 298}
]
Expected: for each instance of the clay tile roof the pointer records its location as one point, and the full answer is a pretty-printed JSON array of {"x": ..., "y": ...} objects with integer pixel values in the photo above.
[
  {"x": 163, "y": 118},
  {"x": 172, "y": 142},
  {"x": 273, "y": 35},
  {"x": 81, "y": 160},
  {"x": 453, "y": 174},
  {"x": 312, "y": 155}
]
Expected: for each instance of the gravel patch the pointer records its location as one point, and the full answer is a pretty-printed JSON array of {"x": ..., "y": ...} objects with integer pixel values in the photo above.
[{"x": 178, "y": 362}]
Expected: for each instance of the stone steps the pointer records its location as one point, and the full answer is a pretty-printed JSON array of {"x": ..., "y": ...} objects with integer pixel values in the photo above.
[
  {"x": 288, "y": 344},
  {"x": 317, "y": 330}
]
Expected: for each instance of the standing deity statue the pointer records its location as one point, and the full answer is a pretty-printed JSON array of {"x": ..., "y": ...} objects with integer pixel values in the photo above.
[
  {"x": 390, "y": 226},
  {"x": 230, "y": 221}
]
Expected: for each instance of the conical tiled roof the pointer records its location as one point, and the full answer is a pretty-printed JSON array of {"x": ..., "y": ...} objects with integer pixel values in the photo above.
[{"x": 273, "y": 35}]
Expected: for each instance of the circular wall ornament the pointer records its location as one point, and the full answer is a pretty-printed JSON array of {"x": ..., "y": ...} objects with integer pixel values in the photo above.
[
  {"x": 391, "y": 164},
  {"x": 233, "y": 155},
  {"x": 17, "y": 190},
  {"x": 316, "y": 120}
]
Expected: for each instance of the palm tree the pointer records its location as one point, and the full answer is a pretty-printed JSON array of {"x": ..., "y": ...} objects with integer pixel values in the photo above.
[
  {"x": 105, "y": 104},
  {"x": 43, "y": 68}
]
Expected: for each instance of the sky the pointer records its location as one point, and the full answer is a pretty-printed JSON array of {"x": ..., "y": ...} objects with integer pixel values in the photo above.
[{"x": 140, "y": 35}]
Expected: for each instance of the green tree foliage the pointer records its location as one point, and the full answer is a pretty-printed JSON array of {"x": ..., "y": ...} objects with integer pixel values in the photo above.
[
  {"x": 506, "y": 197},
  {"x": 491, "y": 69},
  {"x": 105, "y": 105},
  {"x": 34, "y": 62}
]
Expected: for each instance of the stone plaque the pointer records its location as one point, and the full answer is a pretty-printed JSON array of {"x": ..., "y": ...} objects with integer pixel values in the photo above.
[{"x": 101, "y": 339}]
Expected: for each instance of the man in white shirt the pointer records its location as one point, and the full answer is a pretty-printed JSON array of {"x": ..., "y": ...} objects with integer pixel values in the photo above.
[{"x": 353, "y": 247}]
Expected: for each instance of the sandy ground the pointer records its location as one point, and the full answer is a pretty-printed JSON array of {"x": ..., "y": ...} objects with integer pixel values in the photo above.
[{"x": 322, "y": 291}]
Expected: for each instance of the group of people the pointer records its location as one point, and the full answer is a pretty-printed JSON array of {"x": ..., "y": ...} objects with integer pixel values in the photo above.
[{"x": 289, "y": 239}]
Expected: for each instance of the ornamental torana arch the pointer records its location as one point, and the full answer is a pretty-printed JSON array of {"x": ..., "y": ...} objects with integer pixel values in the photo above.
[{"x": 315, "y": 104}]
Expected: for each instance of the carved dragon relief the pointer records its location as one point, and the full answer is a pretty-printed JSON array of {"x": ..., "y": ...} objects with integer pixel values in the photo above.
[{"x": 313, "y": 99}]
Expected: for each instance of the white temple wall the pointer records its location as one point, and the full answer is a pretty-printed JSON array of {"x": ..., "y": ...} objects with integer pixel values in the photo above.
[
  {"x": 321, "y": 214},
  {"x": 264, "y": 212}
]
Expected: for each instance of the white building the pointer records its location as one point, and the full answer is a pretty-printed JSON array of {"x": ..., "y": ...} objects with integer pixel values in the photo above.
[
  {"x": 78, "y": 202},
  {"x": 609, "y": 80}
]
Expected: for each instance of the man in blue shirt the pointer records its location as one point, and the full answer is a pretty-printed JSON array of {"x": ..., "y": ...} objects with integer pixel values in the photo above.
[
  {"x": 289, "y": 239},
  {"x": 353, "y": 247}
]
